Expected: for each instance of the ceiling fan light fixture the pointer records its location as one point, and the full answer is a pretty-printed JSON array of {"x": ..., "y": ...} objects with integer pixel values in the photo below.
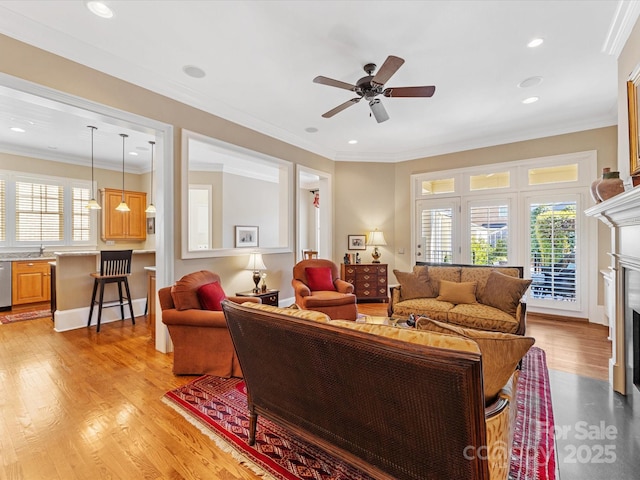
[{"x": 378, "y": 110}]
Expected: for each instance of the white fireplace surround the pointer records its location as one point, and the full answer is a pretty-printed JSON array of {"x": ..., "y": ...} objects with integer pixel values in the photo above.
[{"x": 622, "y": 214}]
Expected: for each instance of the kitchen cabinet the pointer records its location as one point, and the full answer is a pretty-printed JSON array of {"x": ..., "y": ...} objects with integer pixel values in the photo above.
[
  {"x": 30, "y": 282},
  {"x": 117, "y": 225}
]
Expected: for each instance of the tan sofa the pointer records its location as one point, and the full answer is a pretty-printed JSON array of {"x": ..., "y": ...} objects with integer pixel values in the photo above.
[
  {"x": 475, "y": 296},
  {"x": 201, "y": 340},
  {"x": 356, "y": 389}
]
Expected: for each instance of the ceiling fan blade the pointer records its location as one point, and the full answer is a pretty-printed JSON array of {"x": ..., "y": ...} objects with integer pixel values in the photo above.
[
  {"x": 409, "y": 91},
  {"x": 378, "y": 110},
  {"x": 341, "y": 107},
  {"x": 334, "y": 83},
  {"x": 386, "y": 71}
]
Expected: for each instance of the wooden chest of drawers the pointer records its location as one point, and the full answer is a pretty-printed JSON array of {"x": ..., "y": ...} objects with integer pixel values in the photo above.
[{"x": 369, "y": 280}]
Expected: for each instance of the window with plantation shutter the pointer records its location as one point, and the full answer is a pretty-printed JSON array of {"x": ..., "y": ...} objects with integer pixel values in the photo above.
[
  {"x": 553, "y": 251},
  {"x": 436, "y": 233},
  {"x": 489, "y": 230},
  {"x": 3, "y": 214},
  {"x": 39, "y": 212},
  {"x": 81, "y": 219}
]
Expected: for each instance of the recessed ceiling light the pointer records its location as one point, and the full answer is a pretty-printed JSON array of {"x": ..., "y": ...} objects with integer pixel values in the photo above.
[
  {"x": 536, "y": 42},
  {"x": 193, "y": 71},
  {"x": 52, "y": 147},
  {"x": 530, "y": 100},
  {"x": 353, "y": 142},
  {"x": 18, "y": 129},
  {"x": 530, "y": 82},
  {"x": 99, "y": 9},
  {"x": 311, "y": 129},
  {"x": 133, "y": 154}
]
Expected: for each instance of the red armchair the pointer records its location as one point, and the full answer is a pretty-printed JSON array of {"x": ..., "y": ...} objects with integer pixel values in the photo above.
[{"x": 321, "y": 289}]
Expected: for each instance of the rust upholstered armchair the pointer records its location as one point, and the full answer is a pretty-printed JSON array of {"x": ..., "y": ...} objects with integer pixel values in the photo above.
[
  {"x": 201, "y": 341},
  {"x": 317, "y": 286}
]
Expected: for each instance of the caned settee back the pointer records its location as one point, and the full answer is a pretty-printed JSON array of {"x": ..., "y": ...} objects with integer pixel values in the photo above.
[{"x": 394, "y": 409}]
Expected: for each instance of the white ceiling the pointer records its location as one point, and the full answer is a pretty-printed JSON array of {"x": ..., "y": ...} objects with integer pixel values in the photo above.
[{"x": 260, "y": 58}]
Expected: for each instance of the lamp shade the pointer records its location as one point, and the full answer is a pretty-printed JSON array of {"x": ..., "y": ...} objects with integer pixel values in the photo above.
[
  {"x": 376, "y": 238},
  {"x": 255, "y": 262}
]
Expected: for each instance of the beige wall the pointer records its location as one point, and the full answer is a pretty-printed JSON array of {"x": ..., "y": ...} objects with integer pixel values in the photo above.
[{"x": 367, "y": 195}]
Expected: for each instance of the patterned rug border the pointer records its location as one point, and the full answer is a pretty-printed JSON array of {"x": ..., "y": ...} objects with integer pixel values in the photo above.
[
  {"x": 540, "y": 463},
  {"x": 21, "y": 317}
]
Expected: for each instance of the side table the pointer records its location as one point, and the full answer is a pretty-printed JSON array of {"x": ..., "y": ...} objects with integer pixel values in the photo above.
[{"x": 270, "y": 297}]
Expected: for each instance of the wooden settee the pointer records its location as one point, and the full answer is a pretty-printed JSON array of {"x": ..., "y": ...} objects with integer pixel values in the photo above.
[{"x": 395, "y": 409}]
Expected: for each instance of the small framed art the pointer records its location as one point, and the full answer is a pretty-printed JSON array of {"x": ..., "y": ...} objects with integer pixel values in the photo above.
[
  {"x": 151, "y": 225},
  {"x": 246, "y": 236},
  {"x": 357, "y": 242}
]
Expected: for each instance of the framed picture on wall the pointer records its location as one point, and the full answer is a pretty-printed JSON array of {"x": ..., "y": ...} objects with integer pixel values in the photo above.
[
  {"x": 632, "y": 109},
  {"x": 246, "y": 236},
  {"x": 357, "y": 242}
]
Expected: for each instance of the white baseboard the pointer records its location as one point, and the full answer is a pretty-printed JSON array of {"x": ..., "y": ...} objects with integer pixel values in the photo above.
[{"x": 64, "y": 320}]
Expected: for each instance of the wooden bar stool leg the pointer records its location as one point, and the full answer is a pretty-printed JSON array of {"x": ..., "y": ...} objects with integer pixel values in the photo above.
[
  {"x": 93, "y": 301},
  {"x": 121, "y": 300},
  {"x": 100, "y": 305},
  {"x": 126, "y": 286}
]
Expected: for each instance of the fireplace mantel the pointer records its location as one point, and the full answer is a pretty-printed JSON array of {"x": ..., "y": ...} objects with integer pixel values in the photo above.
[
  {"x": 622, "y": 214},
  {"x": 619, "y": 211}
]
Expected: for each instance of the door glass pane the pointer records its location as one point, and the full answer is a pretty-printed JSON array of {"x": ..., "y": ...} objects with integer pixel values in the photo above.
[
  {"x": 436, "y": 235},
  {"x": 489, "y": 234},
  {"x": 553, "y": 251}
]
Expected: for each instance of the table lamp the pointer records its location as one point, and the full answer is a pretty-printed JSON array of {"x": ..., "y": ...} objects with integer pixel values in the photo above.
[
  {"x": 376, "y": 239},
  {"x": 256, "y": 264}
]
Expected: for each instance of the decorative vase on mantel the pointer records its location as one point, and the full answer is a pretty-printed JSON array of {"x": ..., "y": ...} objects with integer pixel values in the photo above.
[{"x": 610, "y": 185}]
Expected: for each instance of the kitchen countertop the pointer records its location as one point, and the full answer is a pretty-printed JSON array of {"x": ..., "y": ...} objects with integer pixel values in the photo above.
[
  {"x": 93, "y": 252},
  {"x": 25, "y": 256}
]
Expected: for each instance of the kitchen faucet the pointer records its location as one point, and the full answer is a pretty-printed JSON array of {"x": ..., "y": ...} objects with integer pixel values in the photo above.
[{"x": 41, "y": 250}]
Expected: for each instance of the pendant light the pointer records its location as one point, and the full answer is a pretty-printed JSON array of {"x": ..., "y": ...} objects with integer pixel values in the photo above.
[
  {"x": 123, "y": 207},
  {"x": 93, "y": 204},
  {"x": 151, "y": 208}
]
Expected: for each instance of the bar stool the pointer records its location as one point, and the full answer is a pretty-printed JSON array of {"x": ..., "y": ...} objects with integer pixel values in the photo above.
[
  {"x": 309, "y": 254},
  {"x": 115, "y": 267}
]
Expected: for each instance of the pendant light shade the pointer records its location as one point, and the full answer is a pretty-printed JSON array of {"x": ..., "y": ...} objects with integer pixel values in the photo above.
[
  {"x": 93, "y": 204},
  {"x": 151, "y": 208},
  {"x": 123, "y": 207}
]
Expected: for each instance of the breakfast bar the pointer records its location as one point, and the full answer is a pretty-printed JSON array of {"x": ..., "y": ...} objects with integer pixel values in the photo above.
[{"x": 73, "y": 286}]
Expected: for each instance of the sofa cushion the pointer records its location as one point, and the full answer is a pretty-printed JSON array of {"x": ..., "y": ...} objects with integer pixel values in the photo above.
[
  {"x": 185, "y": 291},
  {"x": 411, "y": 335},
  {"x": 319, "y": 279},
  {"x": 423, "y": 306},
  {"x": 211, "y": 296},
  {"x": 457, "y": 292},
  {"x": 501, "y": 352},
  {"x": 484, "y": 317},
  {"x": 414, "y": 284},
  {"x": 293, "y": 311},
  {"x": 504, "y": 292},
  {"x": 481, "y": 274},
  {"x": 436, "y": 274}
]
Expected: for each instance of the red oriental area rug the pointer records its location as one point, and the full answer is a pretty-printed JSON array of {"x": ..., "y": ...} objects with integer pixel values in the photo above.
[{"x": 218, "y": 407}]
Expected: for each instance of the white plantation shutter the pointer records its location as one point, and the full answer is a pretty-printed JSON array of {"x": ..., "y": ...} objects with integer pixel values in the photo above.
[
  {"x": 489, "y": 234},
  {"x": 39, "y": 212},
  {"x": 553, "y": 251},
  {"x": 436, "y": 235},
  {"x": 80, "y": 214},
  {"x": 3, "y": 211}
]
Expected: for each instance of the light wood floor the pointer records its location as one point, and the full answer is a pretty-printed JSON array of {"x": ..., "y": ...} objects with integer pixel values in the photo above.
[{"x": 82, "y": 405}]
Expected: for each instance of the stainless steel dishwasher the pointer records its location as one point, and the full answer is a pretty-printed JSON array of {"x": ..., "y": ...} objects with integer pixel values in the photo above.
[{"x": 5, "y": 285}]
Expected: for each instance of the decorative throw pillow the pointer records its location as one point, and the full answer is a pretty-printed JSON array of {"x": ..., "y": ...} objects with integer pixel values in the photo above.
[
  {"x": 185, "y": 291},
  {"x": 504, "y": 292},
  {"x": 414, "y": 285},
  {"x": 211, "y": 296},
  {"x": 501, "y": 352},
  {"x": 319, "y": 279},
  {"x": 457, "y": 292}
]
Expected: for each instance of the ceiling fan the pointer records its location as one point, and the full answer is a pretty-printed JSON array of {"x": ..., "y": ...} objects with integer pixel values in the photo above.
[{"x": 371, "y": 86}]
